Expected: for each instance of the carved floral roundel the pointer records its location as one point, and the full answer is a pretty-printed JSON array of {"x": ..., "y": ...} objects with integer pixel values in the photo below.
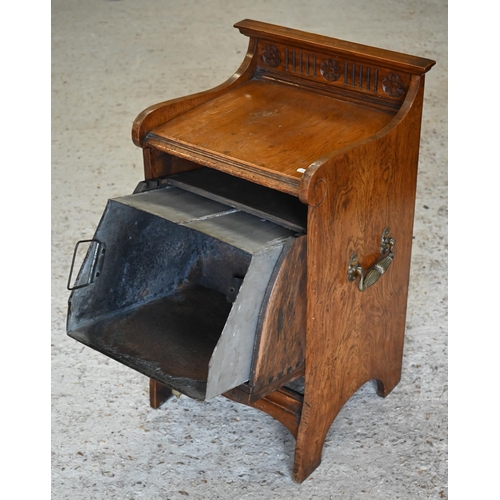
[
  {"x": 393, "y": 85},
  {"x": 330, "y": 70},
  {"x": 271, "y": 56}
]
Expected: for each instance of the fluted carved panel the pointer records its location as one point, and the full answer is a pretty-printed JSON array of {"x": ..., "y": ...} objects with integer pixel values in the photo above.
[{"x": 331, "y": 69}]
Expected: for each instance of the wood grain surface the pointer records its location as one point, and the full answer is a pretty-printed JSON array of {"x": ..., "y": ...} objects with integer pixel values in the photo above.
[
  {"x": 352, "y": 336},
  {"x": 336, "y": 124}
]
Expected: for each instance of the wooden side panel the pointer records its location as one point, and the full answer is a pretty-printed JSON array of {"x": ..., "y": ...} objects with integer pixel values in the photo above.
[
  {"x": 354, "y": 336},
  {"x": 280, "y": 340}
]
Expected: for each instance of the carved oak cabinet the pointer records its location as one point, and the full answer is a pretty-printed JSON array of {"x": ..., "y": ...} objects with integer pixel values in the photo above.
[{"x": 270, "y": 239}]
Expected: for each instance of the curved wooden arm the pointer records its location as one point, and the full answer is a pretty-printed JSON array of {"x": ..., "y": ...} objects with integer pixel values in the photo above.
[
  {"x": 312, "y": 188},
  {"x": 155, "y": 115}
]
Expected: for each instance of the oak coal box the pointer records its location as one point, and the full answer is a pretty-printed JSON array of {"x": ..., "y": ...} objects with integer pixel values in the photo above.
[{"x": 270, "y": 239}]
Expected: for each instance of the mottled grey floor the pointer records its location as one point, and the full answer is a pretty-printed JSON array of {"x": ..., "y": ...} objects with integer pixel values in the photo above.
[{"x": 112, "y": 59}]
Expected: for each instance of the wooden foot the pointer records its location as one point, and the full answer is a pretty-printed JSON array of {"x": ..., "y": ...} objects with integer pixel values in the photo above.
[
  {"x": 158, "y": 393},
  {"x": 387, "y": 383},
  {"x": 309, "y": 444}
]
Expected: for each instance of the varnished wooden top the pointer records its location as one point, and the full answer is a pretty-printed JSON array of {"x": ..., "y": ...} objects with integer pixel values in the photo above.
[
  {"x": 296, "y": 99},
  {"x": 268, "y": 130}
]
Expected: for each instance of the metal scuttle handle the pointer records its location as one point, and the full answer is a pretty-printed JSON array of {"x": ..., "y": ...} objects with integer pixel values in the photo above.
[{"x": 95, "y": 263}]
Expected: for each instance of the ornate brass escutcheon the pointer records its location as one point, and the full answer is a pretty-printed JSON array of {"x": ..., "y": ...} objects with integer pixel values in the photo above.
[{"x": 373, "y": 274}]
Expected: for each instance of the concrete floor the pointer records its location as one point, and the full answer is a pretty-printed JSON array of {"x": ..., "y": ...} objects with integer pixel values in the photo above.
[{"x": 112, "y": 59}]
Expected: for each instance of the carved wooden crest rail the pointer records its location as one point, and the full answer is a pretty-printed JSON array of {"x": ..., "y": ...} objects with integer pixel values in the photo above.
[{"x": 270, "y": 240}]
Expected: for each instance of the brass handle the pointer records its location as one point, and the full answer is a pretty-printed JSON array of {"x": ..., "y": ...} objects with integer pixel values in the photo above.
[{"x": 370, "y": 277}]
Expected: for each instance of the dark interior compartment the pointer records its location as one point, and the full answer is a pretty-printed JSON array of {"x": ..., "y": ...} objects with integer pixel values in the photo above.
[{"x": 275, "y": 206}]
